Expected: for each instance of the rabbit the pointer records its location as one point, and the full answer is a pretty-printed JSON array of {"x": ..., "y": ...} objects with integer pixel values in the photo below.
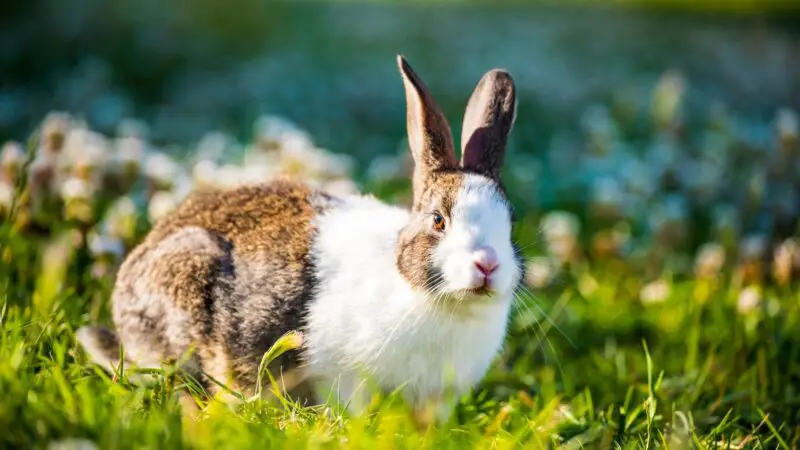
[{"x": 413, "y": 301}]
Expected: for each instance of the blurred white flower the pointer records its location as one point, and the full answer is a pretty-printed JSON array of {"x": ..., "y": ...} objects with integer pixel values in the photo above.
[
  {"x": 76, "y": 189},
  {"x": 53, "y": 132},
  {"x": 204, "y": 174},
  {"x": 667, "y": 99},
  {"x": 561, "y": 229},
  {"x": 540, "y": 272},
  {"x": 749, "y": 300},
  {"x": 655, "y": 292},
  {"x": 161, "y": 204},
  {"x": 41, "y": 174},
  {"x": 90, "y": 162},
  {"x": 253, "y": 157},
  {"x": 787, "y": 124},
  {"x": 273, "y": 132},
  {"x": 228, "y": 176},
  {"x": 213, "y": 146},
  {"x": 162, "y": 170},
  {"x": 12, "y": 159},
  {"x": 341, "y": 187},
  {"x": 83, "y": 145},
  {"x": 129, "y": 152},
  {"x": 786, "y": 260},
  {"x": 120, "y": 219},
  {"x": 6, "y": 196},
  {"x": 710, "y": 259},
  {"x": 314, "y": 162}
]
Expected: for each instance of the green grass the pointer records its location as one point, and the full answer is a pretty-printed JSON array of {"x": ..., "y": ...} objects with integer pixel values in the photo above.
[{"x": 602, "y": 370}]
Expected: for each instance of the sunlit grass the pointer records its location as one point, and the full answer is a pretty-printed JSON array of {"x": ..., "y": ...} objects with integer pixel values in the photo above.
[{"x": 688, "y": 371}]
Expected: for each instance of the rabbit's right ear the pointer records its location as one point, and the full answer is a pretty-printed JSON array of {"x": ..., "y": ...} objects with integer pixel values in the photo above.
[
  {"x": 429, "y": 134},
  {"x": 488, "y": 120}
]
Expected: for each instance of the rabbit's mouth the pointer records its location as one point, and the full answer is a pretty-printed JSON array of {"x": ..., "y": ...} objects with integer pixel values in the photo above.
[{"x": 481, "y": 291}]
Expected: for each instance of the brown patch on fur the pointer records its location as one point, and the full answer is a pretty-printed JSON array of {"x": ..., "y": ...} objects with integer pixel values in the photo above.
[
  {"x": 418, "y": 239},
  {"x": 227, "y": 273}
]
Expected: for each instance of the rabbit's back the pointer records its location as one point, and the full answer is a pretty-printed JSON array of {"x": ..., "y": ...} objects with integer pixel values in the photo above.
[{"x": 225, "y": 274}]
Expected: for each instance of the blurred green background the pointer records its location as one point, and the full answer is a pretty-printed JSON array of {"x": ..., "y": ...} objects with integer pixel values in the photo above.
[{"x": 189, "y": 67}]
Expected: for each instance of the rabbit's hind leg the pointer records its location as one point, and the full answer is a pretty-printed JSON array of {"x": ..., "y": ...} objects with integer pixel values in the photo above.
[{"x": 164, "y": 303}]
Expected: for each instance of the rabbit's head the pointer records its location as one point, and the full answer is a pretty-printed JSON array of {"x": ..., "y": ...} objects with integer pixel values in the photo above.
[{"x": 458, "y": 241}]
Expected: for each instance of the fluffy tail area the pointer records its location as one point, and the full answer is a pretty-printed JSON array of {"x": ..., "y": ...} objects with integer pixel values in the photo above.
[{"x": 101, "y": 344}]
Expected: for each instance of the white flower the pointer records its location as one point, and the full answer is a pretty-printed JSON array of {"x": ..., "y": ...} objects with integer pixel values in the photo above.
[
  {"x": 128, "y": 152},
  {"x": 654, "y": 293},
  {"x": 314, "y": 162},
  {"x": 274, "y": 132},
  {"x": 11, "y": 158},
  {"x": 787, "y": 124},
  {"x": 229, "y": 176},
  {"x": 84, "y": 147},
  {"x": 710, "y": 259},
  {"x": 749, "y": 300},
  {"x": 213, "y": 146},
  {"x": 54, "y": 129},
  {"x": 120, "y": 220},
  {"x": 257, "y": 174},
  {"x": 540, "y": 272},
  {"x": 75, "y": 188},
  {"x": 667, "y": 98},
  {"x": 253, "y": 157},
  {"x": 204, "y": 173},
  {"x": 341, "y": 187},
  {"x": 561, "y": 230},
  {"x": 161, "y": 204},
  {"x": 786, "y": 259},
  {"x": 6, "y": 196},
  {"x": 162, "y": 169}
]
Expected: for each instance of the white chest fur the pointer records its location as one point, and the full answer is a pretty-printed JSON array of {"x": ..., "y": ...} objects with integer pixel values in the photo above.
[{"x": 366, "y": 320}]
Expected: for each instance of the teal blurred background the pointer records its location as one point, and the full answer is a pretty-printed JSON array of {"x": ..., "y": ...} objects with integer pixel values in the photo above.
[{"x": 589, "y": 80}]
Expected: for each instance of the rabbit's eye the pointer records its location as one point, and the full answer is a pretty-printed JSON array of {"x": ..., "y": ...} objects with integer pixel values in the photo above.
[{"x": 438, "y": 222}]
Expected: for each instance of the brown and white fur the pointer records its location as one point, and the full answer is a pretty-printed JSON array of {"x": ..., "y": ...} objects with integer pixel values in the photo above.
[{"x": 416, "y": 300}]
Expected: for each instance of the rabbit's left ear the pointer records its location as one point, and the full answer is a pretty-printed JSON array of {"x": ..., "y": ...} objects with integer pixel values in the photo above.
[{"x": 488, "y": 120}]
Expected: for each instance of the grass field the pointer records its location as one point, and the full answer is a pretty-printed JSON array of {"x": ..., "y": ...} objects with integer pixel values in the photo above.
[{"x": 627, "y": 339}]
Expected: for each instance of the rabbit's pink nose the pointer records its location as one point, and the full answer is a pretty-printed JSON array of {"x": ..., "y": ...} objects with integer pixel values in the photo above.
[{"x": 486, "y": 260}]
